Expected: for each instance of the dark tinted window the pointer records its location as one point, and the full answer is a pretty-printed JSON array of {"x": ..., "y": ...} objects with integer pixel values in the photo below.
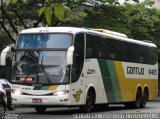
[
  {"x": 152, "y": 55},
  {"x": 105, "y": 48},
  {"x": 92, "y": 46},
  {"x": 78, "y": 58}
]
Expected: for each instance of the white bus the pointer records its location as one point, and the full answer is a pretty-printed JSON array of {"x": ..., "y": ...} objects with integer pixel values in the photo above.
[{"x": 67, "y": 66}]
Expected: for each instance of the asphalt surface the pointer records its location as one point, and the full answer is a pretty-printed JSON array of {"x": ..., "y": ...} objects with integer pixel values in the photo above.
[{"x": 152, "y": 111}]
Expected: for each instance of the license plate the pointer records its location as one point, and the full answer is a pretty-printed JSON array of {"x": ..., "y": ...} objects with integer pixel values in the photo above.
[{"x": 37, "y": 100}]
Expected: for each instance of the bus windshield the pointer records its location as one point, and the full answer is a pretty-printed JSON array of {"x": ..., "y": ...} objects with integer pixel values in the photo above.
[
  {"x": 34, "y": 41},
  {"x": 42, "y": 67}
]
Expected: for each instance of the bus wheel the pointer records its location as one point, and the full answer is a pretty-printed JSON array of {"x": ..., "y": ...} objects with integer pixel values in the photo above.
[
  {"x": 136, "y": 104},
  {"x": 40, "y": 109},
  {"x": 11, "y": 106},
  {"x": 90, "y": 101},
  {"x": 144, "y": 99}
]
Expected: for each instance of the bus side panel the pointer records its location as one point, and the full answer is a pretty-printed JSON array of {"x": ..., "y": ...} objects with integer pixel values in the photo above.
[
  {"x": 126, "y": 86},
  {"x": 114, "y": 85},
  {"x": 110, "y": 80},
  {"x": 129, "y": 82},
  {"x": 93, "y": 78}
]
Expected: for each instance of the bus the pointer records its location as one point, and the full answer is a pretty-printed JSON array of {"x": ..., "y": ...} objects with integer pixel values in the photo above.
[{"x": 80, "y": 67}]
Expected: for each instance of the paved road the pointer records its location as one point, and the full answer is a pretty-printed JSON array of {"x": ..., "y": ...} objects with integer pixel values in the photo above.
[{"x": 114, "y": 111}]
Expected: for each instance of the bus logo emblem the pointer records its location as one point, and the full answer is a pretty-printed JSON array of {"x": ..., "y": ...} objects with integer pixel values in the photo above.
[{"x": 77, "y": 95}]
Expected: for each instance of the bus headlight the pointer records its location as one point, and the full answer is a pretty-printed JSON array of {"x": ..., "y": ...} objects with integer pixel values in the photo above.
[
  {"x": 16, "y": 92},
  {"x": 59, "y": 93}
]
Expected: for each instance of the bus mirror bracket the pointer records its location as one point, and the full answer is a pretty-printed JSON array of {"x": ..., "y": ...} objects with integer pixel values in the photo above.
[
  {"x": 13, "y": 49},
  {"x": 70, "y": 55},
  {"x": 4, "y": 55}
]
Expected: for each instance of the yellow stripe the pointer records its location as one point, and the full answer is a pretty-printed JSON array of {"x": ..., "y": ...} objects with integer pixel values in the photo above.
[
  {"x": 122, "y": 81},
  {"x": 128, "y": 87},
  {"x": 54, "y": 87}
]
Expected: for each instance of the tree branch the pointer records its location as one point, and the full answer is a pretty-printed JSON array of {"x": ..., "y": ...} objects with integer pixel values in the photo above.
[
  {"x": 39, "y": 20},
  {"x": 41, "y": 17},
  {"x": 21, "y": 20},
  {"x": 7, "y": 32},
  {"x": 10, "y": 21}
]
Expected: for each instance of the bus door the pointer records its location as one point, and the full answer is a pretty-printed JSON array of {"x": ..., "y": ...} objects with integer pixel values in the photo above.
[{"x": 77, "y": 77}]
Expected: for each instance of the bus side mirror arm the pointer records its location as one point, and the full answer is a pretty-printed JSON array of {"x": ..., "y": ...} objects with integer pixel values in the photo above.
[
  {"x": 3, "y": 55},
  {"x": 13, "y": 49},
  {"x": 70, "y": 55}
]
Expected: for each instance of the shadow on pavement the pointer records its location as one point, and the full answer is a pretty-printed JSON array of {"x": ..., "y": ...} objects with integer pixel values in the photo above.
[{"x": 71, "y": 111}]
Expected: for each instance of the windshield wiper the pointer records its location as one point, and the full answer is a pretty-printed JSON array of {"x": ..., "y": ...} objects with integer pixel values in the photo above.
[{"x": 44, "y": 71}]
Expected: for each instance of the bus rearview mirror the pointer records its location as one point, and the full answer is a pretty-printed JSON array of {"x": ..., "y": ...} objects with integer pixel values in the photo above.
[
  {"x": 70, "y": 55},
  {"x": 4, "y": 55}
]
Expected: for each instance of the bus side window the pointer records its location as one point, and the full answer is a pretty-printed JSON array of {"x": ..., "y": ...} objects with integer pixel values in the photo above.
[
  {"x": 78, "y": 58},
  {"x": 112, "y": 56},
  {"x": 89, "y": 52},
  {"x": 93, "y": 46}
]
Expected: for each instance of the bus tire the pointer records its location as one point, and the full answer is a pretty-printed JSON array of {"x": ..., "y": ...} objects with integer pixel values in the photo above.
[
  {"x": 11, "y": 106},
  {"x": 40, "y": 109},
  {"x": 144, "y": 98},
  {"x": 90, "y": 101},
  {"x": 137, "y": 103}
]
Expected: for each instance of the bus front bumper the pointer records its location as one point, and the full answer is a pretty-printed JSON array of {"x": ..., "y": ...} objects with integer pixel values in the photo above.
[{"x": 59, "y": 100}]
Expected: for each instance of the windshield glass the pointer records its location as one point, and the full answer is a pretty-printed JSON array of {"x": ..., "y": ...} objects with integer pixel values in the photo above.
[
  {"x": 31, "y": 41},
  {"x": 44, "y": 67}
]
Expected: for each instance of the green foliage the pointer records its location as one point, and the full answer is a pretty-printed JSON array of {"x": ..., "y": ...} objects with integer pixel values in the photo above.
[
  {"x": 48, "y": 15},
  {"x": 54, "y": 11},
  {"x": 7, "y": 2},
  {"x": 139, "y": 21},
  {"x": 14, "y": 1},
  {"x": 143, "y": 21},
  {"x": 5, "y": 71},
  {"x": 41, "y": 11},
  {"x": 59, "y": 11},
  {"x": 4, "y": 40}
]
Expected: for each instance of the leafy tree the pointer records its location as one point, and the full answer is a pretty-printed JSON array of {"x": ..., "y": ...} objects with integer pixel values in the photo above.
[
  {"x": 16, "y": 15},
  {"x": 20, "y": 16},
  {"x": 138, "y": 21}
]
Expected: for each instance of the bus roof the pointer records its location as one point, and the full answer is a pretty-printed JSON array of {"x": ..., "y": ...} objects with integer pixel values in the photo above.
[
  {"x": 54, "y": 30},
  {"x": 74, "y": 30}
]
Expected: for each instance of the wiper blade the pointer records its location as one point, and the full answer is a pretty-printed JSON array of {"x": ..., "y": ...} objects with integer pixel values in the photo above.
[{"x": 44, "y": 71}]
